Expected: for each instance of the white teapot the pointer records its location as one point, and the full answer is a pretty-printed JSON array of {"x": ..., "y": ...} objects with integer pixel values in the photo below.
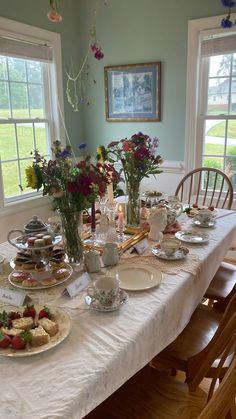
[{"x": 174, "y": 208}]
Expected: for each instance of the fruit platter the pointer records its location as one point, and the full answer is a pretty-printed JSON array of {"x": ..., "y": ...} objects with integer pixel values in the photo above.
[
  {"x": 192, "y": 211},
  {"x": 30, "y": 330}
]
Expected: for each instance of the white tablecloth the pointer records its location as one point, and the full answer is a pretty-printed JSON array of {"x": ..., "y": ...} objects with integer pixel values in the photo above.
[{"x": 104, "y": 350}]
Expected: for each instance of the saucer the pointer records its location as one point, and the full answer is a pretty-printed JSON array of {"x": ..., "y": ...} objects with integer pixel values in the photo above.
[
  {"x": 192, "y": 237},
  {"x": 96, "y": 305},
  {"x": 204, "y": 225},
  {"x": 180, "y": 253}
]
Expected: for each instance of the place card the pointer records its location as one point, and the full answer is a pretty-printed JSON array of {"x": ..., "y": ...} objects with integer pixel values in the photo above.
[
  {"x": 13, "y": 298},
  {"x": 77, "y": 285},
  {"x": 141, "y": 247}
]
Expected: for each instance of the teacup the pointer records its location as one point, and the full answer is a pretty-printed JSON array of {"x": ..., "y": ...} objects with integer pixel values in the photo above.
[
  {"x": 105, "y": 290},
  {"x": 169, "y": 245},
  {"x": 204, "y": 216},
  {"x": 110, "y": 254}
]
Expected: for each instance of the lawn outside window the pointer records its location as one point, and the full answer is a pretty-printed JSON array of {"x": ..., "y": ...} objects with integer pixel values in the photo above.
[
  {"x": 29, "y": 117},
  {"x": 211, "y": 97}
]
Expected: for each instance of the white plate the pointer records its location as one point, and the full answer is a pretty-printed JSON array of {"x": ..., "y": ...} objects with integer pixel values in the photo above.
[
  {"x": 178, "y": 254},
  {"x": 41, "y": 286},
  {"x": 204, "y": 225},
  {"x": 64, "y": 323},
  {"x": 95, "y": 305},
  {"x": 137, "y": 276},
  {"x": 21, "y": 242},
  {"x": 195, "y": 212},
  {"x": 192, "y": 237}
]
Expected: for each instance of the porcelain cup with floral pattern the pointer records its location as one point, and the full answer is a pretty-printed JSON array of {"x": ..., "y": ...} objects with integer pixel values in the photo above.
[
  {"x": 169, "y": 245},
  {"x": 204, "y": 216},
  {"x": 105, "y": 290}
]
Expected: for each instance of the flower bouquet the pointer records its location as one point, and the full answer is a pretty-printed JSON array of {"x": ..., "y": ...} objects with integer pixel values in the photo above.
[
  {"x": 139, "y": 159},
  {"x": 74, "y": 187}
]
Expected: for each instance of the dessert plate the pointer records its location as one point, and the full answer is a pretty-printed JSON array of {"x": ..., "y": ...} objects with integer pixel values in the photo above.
[
  {"x": 64, "y": 323},
  {"x": 20, "y": 242},
  {"x": 204, "y": 225},
  {"x": 192, "y": 237},
  {"x": 96, "y": 305},
  {"x": 178, "y": 254},
  {"x": 40, "y": 285},
  {"x": 137, "y": 276}
]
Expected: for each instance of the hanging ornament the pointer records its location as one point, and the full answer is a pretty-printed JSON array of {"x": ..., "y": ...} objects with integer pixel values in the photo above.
[
  {"x": 53, "y": 14},
  {"x": 226, "y": 22}
]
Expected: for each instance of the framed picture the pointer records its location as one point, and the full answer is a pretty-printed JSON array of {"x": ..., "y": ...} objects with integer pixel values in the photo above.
[{"x": 133, "y": 92}]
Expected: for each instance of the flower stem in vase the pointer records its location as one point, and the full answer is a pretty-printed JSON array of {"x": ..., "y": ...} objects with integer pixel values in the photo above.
[
  {"x": 71, "y": 222},
  {"x": 133, "y": 203}
]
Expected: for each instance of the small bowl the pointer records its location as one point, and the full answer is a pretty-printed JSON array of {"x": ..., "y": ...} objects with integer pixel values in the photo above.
[{"x": 169, "y": 245}]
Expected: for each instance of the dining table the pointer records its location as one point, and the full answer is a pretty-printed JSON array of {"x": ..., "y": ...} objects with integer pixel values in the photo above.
[{"x": 104, "y": 349}]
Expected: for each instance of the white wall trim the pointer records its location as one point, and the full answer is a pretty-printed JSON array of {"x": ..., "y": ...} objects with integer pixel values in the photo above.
[{"x": 194, "y": 28}]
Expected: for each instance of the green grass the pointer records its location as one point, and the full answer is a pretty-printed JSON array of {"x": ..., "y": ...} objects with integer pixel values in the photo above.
[
  {"x": 26, "y": 146},
  {"x": 219, "y": 130}
]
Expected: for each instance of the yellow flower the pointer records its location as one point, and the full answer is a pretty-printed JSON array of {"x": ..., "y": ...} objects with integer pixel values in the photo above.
[
  {"x": 101, "y": 153},
  {"x": 31, "y": 177}
]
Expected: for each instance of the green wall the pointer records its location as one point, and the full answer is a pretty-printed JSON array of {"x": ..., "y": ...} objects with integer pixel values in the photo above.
[{"x": 130, "y": 31}]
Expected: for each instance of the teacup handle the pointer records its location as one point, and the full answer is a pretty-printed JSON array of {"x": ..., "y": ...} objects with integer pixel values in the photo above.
[
  {"x": 9, "y": 238},
  {"x": 91, "y": 292}
]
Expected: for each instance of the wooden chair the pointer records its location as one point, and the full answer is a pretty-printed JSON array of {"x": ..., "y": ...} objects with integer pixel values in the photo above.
[
  {"x": 203, "y": 338},
  {"x": 151, "y": 394},
  {"x": 222, "y": 286},
  {"x": 206, "y": 186}
]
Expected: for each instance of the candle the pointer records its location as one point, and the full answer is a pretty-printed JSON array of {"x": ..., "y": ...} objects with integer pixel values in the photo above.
[
  {"x": 120, "y": 218},
  {"x": 93, "y": 219},
  {"x": 110, "y": 192}
]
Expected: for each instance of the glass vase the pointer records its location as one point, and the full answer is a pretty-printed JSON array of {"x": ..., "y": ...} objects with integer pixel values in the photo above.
[
  {"x": 72, "y": 223},
  {"x": 133, "y": 204}
]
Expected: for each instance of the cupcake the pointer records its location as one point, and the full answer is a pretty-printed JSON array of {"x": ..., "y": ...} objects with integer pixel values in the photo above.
[
  {"x": 39, "y": 243},
  {"x": 29, "y": 282}
]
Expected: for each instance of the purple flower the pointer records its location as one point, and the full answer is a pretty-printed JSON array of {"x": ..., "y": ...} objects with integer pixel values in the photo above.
[
  {"x": 82, "y": 145},
  {"x": 228, "y": 3},
  {"x": 226, "y": 22},
  {"x": 64, "y": 154},
  {"x": 99, "y": 54}
]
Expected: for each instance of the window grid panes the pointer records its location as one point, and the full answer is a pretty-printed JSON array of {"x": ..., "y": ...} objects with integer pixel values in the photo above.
[
  {"x": 24, "y": 126},
  {"x": 219, "y": 119}
]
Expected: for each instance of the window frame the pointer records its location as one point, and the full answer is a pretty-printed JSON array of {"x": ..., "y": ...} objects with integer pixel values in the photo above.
[
  {"x": 193, "y": 135},
  {"x": 9, "y": 28}
]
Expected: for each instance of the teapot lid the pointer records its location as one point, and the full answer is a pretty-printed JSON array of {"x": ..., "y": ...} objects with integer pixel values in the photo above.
[{"x": 35, "y": 224}]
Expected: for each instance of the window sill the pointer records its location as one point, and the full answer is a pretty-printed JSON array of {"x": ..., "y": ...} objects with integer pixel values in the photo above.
[{"x": 28, "y": 204}]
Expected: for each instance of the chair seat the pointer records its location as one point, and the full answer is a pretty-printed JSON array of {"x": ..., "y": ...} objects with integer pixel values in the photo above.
[
  {"x": 223, "y": 282},
  {"x": 151, "y": 394}
]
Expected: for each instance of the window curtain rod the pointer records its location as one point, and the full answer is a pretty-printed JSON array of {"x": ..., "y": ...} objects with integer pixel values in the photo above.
[{"x": 25, "y": 49}]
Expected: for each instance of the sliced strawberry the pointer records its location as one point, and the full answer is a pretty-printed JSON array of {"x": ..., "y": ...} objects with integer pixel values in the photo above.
[
  {"x": 45, "y": 312},
  {"x": 4, "y": 340},
  {"x": 195, "y": 205},
  {"x": 211, "y": 208},
  {"x": 14, "y": 315},
  {"x": 29, "y": 311},
  {"x": 20, "y": 341}
]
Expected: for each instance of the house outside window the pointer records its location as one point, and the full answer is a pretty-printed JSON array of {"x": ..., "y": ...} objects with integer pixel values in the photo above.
[
  {"x": 211, "y": 98},
  {"x": 30, "y": 90}
]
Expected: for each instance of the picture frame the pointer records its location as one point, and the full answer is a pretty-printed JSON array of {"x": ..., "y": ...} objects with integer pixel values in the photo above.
[{"x": 133, "y": 92}]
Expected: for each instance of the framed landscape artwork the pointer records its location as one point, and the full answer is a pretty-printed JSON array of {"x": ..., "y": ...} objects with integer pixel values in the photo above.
[{"x": 133, "y": 92}]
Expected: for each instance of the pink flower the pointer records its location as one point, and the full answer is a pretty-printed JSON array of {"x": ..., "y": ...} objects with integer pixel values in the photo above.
[
  {"x": 99, "y": 54},
  {"x": 126, "y": 146},
  {"x": 54, "y": 16},
  {"x": 93, "y": 47}
]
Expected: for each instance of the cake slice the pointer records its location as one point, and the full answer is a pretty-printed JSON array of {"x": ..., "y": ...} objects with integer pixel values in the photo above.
[
  {"x": 50, "y": 326},
  {"x": 25, "y": 323},
  {"x": 11, "y": 331},
  {"x": 39, "y": 336}
]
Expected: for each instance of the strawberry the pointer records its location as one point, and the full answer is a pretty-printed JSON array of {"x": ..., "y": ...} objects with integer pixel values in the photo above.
[
  {"x": 20, "y": 341},
  {"x": 14, "y": 315},
  {"x": 211, "y": 208},
  {"x": 29, "y": 311},
  {"x": 4, "y": 340},
  {"x": 195, "y": 205},
  {"x": 45, "y": 312}
]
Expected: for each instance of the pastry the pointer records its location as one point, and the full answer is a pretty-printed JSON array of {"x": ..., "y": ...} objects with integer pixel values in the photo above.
[
  {"x": 24, "y": 323},
  {"x": 48, "y": 239},
  {"x": 39, "y": 235},
  {"x": 19, "y": 276},
  {"x": 39, "y": 243},
  {"x": 40, "y": 267},
  {"x": 31, "y": 241},
  {"x": 56, "y": 263},
  {"x": 11, "y": 331},
  {"x": 49, "y": 281},
  {"x": 28, "y": 265},
  {"x": 29, "y": 282},
  {"x": 61, "y": 273},
  {"x": 39, "y": 336},
  {"x": 48, "y": 325}
]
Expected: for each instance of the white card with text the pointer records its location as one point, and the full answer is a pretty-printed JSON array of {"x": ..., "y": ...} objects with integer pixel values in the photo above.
[
  {"x": 141, "y": 246},
  {"x": 13, "y": 298},
  {"x": 78, "y": 285}
]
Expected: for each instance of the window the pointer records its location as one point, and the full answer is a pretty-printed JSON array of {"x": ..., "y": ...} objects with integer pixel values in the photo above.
[
  {"x": 211, "y": 97},
  {"x": 28, "y": 109}
]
